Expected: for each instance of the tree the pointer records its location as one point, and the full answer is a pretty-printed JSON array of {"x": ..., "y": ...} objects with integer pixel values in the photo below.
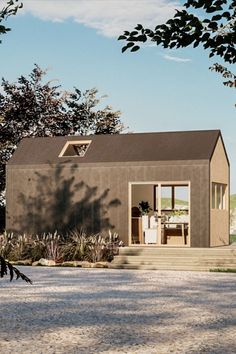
[
  {"x": 11, "y": 8},
  {"x": 5, "y": 266},
  {"x": 31, "y": 108},
  {"x": 214, "y": 28},
  {"x": 226, "y": 74}
]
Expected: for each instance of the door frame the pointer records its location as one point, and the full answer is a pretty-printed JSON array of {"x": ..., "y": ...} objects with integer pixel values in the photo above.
[{"x": 159, "y": 183}]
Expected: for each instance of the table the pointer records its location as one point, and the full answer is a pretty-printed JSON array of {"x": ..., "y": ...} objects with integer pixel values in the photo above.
[{"x": 172, "y": 230}]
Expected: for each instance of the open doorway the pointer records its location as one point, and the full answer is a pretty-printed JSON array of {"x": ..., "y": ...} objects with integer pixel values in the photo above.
[{"x": 160, "y": 213}]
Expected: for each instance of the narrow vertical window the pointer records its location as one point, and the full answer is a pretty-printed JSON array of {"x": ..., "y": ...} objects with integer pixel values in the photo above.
[
  {"x": 218, "y": 196},
  {"x": 213, "y": 195},
  {"x": 224, "y": 196}
]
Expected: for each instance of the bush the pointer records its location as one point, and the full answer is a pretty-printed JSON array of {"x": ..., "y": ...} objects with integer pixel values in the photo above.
[
  {"x": 6, "y": 244},
  {"x": 76, "y": 246}
]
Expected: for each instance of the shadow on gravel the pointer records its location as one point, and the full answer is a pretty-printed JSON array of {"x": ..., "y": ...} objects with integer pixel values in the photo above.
[{"x": 118, "y": 308}]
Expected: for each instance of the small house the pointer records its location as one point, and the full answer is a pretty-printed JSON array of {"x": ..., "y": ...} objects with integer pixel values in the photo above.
[{"x": 157, "y": 189}]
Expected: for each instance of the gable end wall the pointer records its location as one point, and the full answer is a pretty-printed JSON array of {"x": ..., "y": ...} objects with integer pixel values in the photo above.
[{"x": 219, "y": 220}]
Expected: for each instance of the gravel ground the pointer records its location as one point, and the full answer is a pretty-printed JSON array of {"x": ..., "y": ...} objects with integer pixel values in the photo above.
[{"x": 71, "y": 310}]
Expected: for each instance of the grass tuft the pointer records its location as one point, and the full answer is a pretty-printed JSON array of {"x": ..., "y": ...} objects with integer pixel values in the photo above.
[{"x": 222, "y": 270}]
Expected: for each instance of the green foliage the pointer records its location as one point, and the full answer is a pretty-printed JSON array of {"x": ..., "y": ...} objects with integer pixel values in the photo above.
[
  {"x": 20, "y": 248},
  {"x": 144, "y": 207},
  {"x": 11, "y": 8},
  {"x": 38, "y": 248},
  {"x": 6, "y": 244},
  {"x": 54, "y": 247},
  {"x": 96, "y": 248},
  {"x": 232, "y": 238},
  {"x": 223, "y": 270},
  {"x": 227, "y": 74},
  {"x": 76, "y": 246},
  {"x": 93, "y": 248},
  {"x": 233, "y": 201},
  {"x": 31, "y": 108},
  {"x": 214, "y": 28}
]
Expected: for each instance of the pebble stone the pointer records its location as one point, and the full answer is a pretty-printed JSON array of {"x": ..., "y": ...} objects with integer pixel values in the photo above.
[{"x": 109, "y": 311}]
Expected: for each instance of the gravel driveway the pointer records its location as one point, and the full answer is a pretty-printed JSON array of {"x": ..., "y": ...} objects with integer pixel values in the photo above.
[{"x": 72, "y": 310}]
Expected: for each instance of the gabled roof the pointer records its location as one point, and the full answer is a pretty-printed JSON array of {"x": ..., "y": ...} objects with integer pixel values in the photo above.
[{"x": 167, "y": 146}]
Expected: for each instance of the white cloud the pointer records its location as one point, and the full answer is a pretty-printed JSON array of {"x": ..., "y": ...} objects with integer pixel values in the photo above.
[
  {"x": 176, "y": 59},
  {"x": 108, "y": 17}
]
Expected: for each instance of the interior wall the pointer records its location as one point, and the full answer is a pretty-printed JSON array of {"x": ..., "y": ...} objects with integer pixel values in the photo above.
[
  {"x": 143, "y": 192},
  {"x": 219, "y": 173}
]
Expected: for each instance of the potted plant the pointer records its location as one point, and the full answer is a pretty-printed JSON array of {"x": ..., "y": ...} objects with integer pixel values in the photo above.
[{"x": 144, "y": 208}]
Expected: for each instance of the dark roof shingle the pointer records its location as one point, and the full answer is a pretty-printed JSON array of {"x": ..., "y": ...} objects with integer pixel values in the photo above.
[{"x": 167, "y": 146}]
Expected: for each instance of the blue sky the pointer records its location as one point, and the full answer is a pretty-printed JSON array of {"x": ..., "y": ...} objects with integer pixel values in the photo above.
[{"x": 155, "y": 89}]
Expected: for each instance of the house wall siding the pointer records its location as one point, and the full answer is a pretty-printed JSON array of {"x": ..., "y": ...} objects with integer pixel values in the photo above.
[
  {"x": 219, "y": 219},
  {"x": 43, "y": 198}
]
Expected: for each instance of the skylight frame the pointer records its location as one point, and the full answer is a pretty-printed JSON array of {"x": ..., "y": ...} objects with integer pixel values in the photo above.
[{"x": 74, "y": 142}]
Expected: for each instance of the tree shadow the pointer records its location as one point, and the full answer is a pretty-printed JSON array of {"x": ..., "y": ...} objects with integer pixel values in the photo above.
[
  {"x": 57, "y": 201},
  {"x": 120, "y": 311}
]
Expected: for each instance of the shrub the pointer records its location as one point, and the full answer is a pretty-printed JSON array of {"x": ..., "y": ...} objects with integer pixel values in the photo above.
[
  {"x": 38, "y": 249},
  {"x": 54, "y": 247},
  {"x": 93, "y": 248},
  {"x": 75, "y": 246},
  {"x": 21, "y": 248},
  {"x": 6, "y": 244},
  {"x": 96, "y": 248}
]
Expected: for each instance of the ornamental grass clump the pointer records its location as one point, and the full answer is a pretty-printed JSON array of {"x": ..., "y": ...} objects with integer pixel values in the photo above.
[
  {"x": 54, "y": 248},
  {"x": 39, "y": 246},
  {"x": 75, "y": 246},
  {"x": 78, "y": 246},
  {"x": 6, "y": 244},
  {"x": 21, "y": 248},
  {"x": 96, "y": 248}
]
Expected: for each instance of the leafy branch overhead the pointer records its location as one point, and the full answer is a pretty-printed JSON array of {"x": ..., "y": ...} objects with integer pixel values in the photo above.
[
  {"x": 227, "y": 74},
  {"x": 32, "y": 107},
  {"x": 5, "y": 266},
  {"x": 214, "y": 28},
  {"x": 11, "y": 8}
]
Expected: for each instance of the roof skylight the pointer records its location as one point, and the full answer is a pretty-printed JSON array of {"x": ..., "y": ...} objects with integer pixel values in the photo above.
[{"x": 75, "y": 148}]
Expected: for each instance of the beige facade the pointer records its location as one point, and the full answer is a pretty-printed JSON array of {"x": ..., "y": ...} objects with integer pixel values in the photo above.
[
  {"x": 219, "y": 179},
  {"x": 96, "y": 197}
]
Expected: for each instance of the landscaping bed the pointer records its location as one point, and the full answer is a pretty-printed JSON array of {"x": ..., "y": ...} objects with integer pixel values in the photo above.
[{"x": 75, "y": 249}]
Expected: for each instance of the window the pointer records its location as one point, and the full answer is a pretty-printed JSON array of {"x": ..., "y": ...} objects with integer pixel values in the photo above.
[
  {"x": 173, "y": 197},
  {"x": 218, "y": 196},
  {"x": 75, "y": 148},
  {"x": 166, "y": 198}
]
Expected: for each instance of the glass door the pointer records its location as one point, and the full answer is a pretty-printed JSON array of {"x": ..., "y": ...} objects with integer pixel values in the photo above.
[
  {"x": 171, "y": 205},
  {"x": 160, "y": 213}
]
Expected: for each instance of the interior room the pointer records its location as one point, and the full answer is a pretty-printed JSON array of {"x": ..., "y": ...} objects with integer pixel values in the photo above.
[{"x": 160, "y": 213}]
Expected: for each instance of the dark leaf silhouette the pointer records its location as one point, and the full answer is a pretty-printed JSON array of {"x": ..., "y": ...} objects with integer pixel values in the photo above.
[{"x": 6, "y": 266}]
